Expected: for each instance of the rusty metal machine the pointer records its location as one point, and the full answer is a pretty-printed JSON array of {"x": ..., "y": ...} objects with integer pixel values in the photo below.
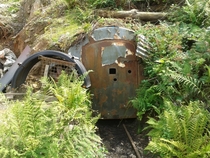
[
  {"x": 117, "y": 70},
  {"x": 114, "y": 54}
]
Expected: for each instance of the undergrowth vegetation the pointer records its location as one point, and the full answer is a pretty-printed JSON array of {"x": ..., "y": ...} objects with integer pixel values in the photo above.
[
  {"x": 178, "y": 67},
  {"x": 181, "y": 132},
  {"x": 34, "y": 127},
  {"x": 175, "y": 92}
]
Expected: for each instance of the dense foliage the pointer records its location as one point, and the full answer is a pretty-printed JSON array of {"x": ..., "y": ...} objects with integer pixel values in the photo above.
[
  {"x": 38, "y": 127},
  {"x": 177, "y": 82},
  {"x": 181, "y": 132},
  {"x": 178, "y": 68},
  {"x": 195, "y": 12}
]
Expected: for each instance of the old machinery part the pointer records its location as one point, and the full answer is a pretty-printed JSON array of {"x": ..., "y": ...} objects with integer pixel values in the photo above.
[
  {"x": 23, "y": 70},
  {"x": 51, "y": 67},
  {"x": 111, "y": 53},
  {"x": 111, "y": 33}
]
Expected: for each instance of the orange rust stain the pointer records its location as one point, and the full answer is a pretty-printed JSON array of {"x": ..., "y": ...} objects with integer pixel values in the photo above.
[{"x": 103, "y": 99}]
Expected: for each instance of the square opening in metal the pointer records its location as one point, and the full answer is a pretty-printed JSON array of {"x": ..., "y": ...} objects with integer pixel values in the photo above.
[{"x": 112, "y": 71}]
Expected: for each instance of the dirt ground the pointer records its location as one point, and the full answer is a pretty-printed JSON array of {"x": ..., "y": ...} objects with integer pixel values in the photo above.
[{"x": 117, "y": 141}]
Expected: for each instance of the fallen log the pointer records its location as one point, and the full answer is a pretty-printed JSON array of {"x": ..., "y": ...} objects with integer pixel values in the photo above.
[{"x": 145, "y": 16}]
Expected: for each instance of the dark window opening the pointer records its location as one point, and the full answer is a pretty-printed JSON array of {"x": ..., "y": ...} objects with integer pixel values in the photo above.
[
  {"x": 115, "y": 79},
  {"x": 112, "y": 71},
  {"x": 129, "y": 71}
]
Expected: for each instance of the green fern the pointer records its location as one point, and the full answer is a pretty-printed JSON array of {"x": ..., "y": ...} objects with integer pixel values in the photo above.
[
  {"x": 65, "y": 127},
  {"x": 194, "y": 11},
  {"x": 192, "y": 83},
  {"x": 181, "y": 132},
  {"x": 148, "y": 97}
]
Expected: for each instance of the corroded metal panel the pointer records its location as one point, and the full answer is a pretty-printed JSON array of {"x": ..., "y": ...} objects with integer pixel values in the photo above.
[
  {"x": 115, "y": 76},
  {"x": 112, "y": 32},
  {"x": 114, "y": 54}
]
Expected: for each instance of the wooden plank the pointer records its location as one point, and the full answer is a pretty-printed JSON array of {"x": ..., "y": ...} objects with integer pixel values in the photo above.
[{"x": 46, "y": 70}]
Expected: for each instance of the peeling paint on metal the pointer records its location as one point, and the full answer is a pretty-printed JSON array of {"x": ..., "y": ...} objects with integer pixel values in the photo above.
[
  {"x": 112, "y": 33},
  {"x": 113, "y": 55},
  {"x": 115, "y": 83},
  {"x": 76, "y": 50},
  {"x": 116, "y": 53}
]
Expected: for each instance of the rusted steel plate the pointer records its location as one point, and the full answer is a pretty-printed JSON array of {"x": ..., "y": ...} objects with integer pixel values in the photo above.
[
  {"x": 114, "y": 54},
  {"x": 115, "y": 76}
]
